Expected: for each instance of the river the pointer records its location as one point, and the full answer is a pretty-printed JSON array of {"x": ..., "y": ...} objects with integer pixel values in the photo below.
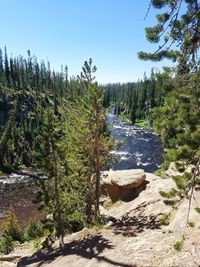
[
  {"x": 17, "y": 191},
  {"x": 140, "y": 148}
]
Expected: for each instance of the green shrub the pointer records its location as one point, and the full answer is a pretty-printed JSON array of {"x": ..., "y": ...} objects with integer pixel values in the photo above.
[
  {"x": 164, "y": 220},
  {"x": 197, "y": 209},
  {"x": 178, "y": 245},
  {"x": 34, "y": 230},
  {"x": 6, "y": 244},
  {"x": 191, "y": 224},
  {"x": 10, "y": 227}
]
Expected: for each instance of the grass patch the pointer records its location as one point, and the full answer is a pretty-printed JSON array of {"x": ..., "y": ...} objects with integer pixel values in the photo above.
[
  {"x": 179, "y": 244},
  {"x": 142, "y": 123},
  {"x": 191, "y": 224},
  {"x": 124, "y": 118},
  {"x": 158, "y": 172},
  {"x": 164, "y": 220}
]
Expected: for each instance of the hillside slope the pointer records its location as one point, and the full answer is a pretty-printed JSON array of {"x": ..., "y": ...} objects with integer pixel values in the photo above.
[{"x": 135, "y": 239}]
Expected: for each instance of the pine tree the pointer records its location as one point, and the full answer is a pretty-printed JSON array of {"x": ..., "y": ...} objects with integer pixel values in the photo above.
[
  {"x": 7, "y": 69},
  {"x": 51, "y": 160},
  {"x": 100, "y": 141},
  {"x": 177, "y": 120},
  {"x": 176, "y": 27},
  {"x": 1, "y": 67}
]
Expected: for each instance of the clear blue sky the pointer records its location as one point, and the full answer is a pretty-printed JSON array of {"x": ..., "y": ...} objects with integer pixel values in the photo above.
[{"x": 68, "y": 32}]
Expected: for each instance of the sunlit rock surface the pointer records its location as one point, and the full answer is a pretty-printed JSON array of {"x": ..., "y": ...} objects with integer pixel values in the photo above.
[{"x": 121, "y": 184}]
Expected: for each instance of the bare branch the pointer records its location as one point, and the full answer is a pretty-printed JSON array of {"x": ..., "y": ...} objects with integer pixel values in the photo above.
[{"x": 150, "y": 4}]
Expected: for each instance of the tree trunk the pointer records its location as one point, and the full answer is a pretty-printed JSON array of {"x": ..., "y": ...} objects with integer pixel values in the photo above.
[
  {"x": 60, "y": 228},
  {"x": 97, "y": 162}
]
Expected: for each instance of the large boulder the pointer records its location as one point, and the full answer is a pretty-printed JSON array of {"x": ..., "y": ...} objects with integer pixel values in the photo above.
[{"x": 123, "y": 184}]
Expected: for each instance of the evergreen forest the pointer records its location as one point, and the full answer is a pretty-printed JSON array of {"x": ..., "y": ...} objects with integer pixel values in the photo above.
[{"x": 57, "y": 125}]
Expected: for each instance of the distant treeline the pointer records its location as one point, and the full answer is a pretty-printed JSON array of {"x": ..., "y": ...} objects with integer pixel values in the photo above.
[
  {"x": 28, "y": 73},
  {"x": 27, "y": 88},
  {"x": 137, "y": 100}
]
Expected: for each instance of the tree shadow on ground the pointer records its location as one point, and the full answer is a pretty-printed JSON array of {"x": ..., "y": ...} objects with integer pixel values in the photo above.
[
  {"x": 132, "y": 225},
  {"x": 88, "y": 248}
]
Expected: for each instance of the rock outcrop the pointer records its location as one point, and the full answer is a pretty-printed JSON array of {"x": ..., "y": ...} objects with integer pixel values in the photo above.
[
  {"x": 173, "y": 170},
  {"x": 135, "y": 238},
  {"x": 123, "y": 184}
]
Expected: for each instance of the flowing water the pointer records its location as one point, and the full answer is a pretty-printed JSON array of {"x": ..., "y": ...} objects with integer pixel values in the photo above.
[
  {"x": 17, "y": 191},
  {"x": 141, "y": 147}
]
